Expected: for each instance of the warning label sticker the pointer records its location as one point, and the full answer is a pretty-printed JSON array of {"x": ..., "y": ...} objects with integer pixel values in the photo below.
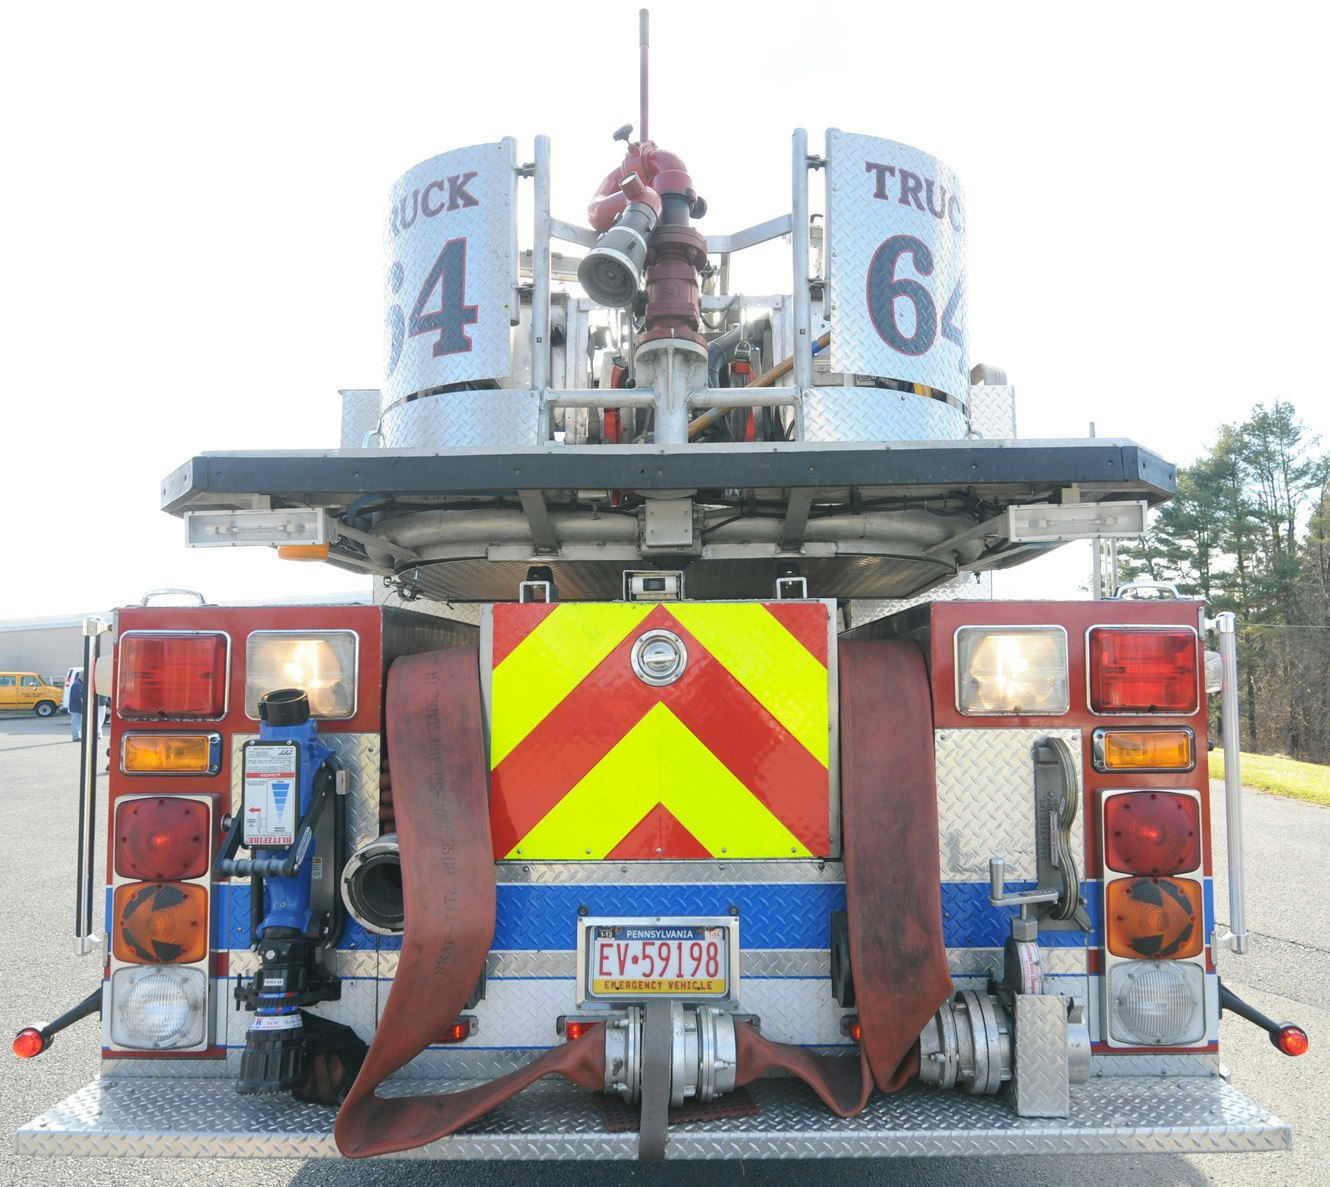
[{"x": 272, "y": 793}]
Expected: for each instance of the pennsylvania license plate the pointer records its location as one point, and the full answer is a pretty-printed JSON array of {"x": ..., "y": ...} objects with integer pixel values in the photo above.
[{"x": 628, "y": 959}]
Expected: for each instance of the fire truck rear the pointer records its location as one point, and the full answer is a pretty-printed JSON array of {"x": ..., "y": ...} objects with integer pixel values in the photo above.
[{"x": 684, "y": 794}]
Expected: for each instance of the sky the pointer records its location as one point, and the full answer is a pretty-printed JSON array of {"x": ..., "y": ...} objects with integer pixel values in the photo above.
[{"x": 191, "y": 218}]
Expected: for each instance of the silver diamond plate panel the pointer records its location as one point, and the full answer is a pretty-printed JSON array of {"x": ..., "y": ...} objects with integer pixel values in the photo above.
[
  {"x": 554, "y": 1120},
  {"x": 993, "y": 411},
  {"x": 895, "y": 261},
  {"x": 451, "y": 270},
  {"x": 1040, "y": 1084},
  {"x": 987, "y": 962},
  {"x": 1154, "y": 1065},
  {"x": 360, "y": 415},
  {"x": 647, "y": 873},
  {"x": 985, "y": 801},
  {"x": 498, "y": 418},
  {"x": 360, "y": 755},
  {"x": 345, "y": 963},
  {"x": 878, "y": 414},
  {"x": 965, "y": 587}
]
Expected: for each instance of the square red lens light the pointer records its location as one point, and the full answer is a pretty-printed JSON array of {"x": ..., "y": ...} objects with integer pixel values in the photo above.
[
  {"x": 1153, "y": 671},
  {"x": 1152, "y": 832},
  {"x": 163, "y": 676},
  {"x": 164, "y": 838}
]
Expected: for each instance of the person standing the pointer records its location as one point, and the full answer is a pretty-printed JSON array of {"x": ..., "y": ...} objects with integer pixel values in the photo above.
[{"x": 76, "y": 707}]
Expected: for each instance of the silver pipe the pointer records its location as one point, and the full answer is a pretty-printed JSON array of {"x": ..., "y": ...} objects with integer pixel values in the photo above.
[
  {"x": 600, "y": 399},
  {"x": 86, "y": 939},
  {"x": 803, "y": 339},
  {"x": 737, "y": 397},
  {"x": 1236, "y": 937},
  {"x": 540, "y": 271}
]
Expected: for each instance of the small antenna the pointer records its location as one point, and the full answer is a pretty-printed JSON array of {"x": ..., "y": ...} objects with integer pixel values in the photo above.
[{"x": 644, "y": 40}]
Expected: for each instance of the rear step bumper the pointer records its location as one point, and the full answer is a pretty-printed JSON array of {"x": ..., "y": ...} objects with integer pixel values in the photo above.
[{"x": 138, "y": 1117}]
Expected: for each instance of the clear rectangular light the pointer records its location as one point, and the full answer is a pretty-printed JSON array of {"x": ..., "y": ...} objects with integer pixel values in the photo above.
[
  {"x": 228, "y": 529},
  {"x": 1074, "y": 521},
  {"x": 1156, "y": 1003},
  {"x": 158, "y": 1008},
  {"x": 323, "y": 663},
  {"x": 1012, "y": 670}
]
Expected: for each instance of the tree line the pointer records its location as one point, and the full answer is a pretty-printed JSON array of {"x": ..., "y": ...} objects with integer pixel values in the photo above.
[{"x": 1249, "y": 531}]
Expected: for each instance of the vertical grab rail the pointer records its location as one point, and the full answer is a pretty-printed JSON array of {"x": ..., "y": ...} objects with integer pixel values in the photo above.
[
  {"x": 802, "y": 345},
  {"x": 86, "y": 939},
  {"x": 1236, "y": 936}
]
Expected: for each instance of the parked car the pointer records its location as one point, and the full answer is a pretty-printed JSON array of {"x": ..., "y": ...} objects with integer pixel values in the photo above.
[{"x": 27, "y": 690}]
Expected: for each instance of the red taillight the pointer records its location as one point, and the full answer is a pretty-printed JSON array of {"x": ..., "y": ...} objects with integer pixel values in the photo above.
[
  {"x": 1155, "y": 918},
  {"x": 575, "y": 1028},
  {"x": 1153, "y": 671},
  {"x": 29, "y": 1042},
  {"x": 160, "y": 923},
  {"x": 856, "y": 1031},
  {"x": 1152, "y": 832},
  {"x": 164, "y": 838},
  {"x": 457, "y": 1031},
  {"x": 171, "y": 676},
  {"x": 1291, "y": 1040}
]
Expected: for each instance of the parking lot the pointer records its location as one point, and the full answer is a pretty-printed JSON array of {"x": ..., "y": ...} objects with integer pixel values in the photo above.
[{"x": 1287, "y": 975}]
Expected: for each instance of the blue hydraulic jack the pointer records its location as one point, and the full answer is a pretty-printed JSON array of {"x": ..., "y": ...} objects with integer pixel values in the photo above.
[{"x": 293, "y": 821}]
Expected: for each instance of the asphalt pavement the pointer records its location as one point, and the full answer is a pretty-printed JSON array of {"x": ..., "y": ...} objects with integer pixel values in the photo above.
[{"x": 1286, "y": 974}]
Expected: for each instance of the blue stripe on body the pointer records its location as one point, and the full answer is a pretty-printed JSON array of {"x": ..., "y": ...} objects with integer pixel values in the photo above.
[{"x": 771, "y": 915}]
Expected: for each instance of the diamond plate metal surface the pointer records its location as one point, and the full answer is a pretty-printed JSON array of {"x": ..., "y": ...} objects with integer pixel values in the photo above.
[
  {"x": 987, "y": 962},
  {"x": 1154, "y": 1065},
  {"x": 497, "y": 418},
  {"x": 895, "y": 261},
  {"x": 360, "y": 755},
  {"x": 993, "y": 411},
  {"x": 451, "y": 270},
  {"x": 360, "y": 415},
  {"x": 654, "y": 873},
  {"x": 1040, "y": 1083},
  {"x": 985, "y": 801},
  {"x": 878, "y": 414},
  {"x": 553, "y": 1119}
]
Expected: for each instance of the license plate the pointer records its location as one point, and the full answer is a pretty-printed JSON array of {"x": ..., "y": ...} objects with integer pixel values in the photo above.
[{"x": 629, "y": 959}]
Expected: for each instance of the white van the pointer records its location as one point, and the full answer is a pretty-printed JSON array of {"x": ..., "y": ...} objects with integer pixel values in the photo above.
[{"x": 69, "y": 679}]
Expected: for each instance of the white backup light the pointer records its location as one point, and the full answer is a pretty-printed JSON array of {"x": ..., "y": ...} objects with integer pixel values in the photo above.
[
  {"x": 157, "y": 1008},
  {"x": 322, "y": 663},
  {"x": 1012, "y": 670},
  {"x": 1156, "y": 1003}
]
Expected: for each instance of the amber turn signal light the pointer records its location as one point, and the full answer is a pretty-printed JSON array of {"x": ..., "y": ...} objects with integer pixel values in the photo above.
[
  {"x": 1155, "y": 918},
  {"x": 169, "y": 754},
  {"x": 160, "y": 923},
  {"x": 1143, "y": 750}
]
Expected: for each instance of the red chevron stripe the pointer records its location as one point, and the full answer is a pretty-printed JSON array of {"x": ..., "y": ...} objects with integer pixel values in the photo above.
[
  {"x": 515, "y": 624},
  {"x": 658, "y": 834},
  {"x": 808, "y": 624},
  {"x": 720, "y": 712}
]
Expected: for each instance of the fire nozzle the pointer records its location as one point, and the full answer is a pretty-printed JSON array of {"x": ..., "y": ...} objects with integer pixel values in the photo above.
[{"x": 642, "y": 210}]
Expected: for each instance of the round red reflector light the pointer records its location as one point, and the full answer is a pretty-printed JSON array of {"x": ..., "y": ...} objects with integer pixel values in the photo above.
[
  {"x": 1152, "y": 832},
  {"x": 29, "y": 1042},
  {"x": 161, "y": 838},
  {"x": 1292, "y": 1040}
]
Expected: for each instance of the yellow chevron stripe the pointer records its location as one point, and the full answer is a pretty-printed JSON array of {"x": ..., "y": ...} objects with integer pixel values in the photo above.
[
  {"x": 658, "y": 761},
  {"x": 783, "y": 676},
  {"x": 550, "y": 662}
]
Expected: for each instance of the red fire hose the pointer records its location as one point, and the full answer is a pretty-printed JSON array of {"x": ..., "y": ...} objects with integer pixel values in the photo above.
[{"x": 440, "y": 798}]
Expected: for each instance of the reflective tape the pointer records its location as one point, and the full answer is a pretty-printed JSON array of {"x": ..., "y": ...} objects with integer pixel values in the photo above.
[{"x": 591, "y": 760}]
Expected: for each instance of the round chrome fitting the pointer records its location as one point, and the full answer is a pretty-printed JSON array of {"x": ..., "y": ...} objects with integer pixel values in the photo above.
[
  {"x": 967, "y": 1043},
  {"x": 372, "y": 886},
  {"x": 659, "y": 658},
  {"x": 623, "y": 1056}
]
